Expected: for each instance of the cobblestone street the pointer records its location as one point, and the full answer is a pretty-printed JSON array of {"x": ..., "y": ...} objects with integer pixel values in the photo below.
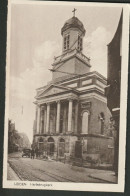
[{"x": 51, "y": 171}]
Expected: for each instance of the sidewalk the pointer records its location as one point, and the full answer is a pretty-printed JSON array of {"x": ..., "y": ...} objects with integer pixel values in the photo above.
[
  {"x": 11, "y": 174},
  {"x": 47, "y": 169},
  {"x": 107, "y": 177},
  {"x": 94, "y": 173}
]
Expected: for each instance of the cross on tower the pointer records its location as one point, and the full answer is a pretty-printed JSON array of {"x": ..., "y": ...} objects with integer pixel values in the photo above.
[{"x": 74, "y": 11}]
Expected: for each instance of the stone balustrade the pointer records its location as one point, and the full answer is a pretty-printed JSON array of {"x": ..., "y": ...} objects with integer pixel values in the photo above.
[{"x": 69, "y": 54}]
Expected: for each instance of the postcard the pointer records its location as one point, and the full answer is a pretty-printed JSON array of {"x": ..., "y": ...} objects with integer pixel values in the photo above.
[{"x": 66, "y": 96}]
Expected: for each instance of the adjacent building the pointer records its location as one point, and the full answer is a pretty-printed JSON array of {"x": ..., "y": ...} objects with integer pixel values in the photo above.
[
  {"x": 16, "y": 140},
  {"x": 71, "y": 110},
  {"x": 113, "y": 84}
]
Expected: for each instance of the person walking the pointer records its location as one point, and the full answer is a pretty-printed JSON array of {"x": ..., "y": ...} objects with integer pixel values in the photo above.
[
  {"x": 32, "y": 154},
  {"x": 36, "y": 152}
]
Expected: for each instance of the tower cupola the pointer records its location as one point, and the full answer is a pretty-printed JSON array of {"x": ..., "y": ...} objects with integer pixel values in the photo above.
[
  {"x": 73, "y": 22},
  {"x": 73, "y": 32}
]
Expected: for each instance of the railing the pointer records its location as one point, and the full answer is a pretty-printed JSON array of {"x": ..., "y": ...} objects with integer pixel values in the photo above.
[
  {"x": 83, "y": 57},
  {"x": 69, "y": 54},
  {"x": 65, "y": 55}
]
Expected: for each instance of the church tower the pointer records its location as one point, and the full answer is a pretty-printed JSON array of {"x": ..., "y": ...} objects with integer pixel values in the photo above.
[{"x": 72, "y": 61}]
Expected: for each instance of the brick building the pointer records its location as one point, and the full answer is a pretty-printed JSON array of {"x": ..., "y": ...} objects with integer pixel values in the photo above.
[
  {"x": 113, "y": 85},
  {"x": 71, "y": 110}
]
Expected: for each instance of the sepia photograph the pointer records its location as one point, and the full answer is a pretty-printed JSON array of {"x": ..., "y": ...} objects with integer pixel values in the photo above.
[{"x": 66, "y": 96}]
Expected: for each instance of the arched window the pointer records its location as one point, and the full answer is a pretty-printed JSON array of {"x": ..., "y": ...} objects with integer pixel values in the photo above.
[
  {"x": 40, "y": 139},
  {"x": 102, "y": 118},
  {"x": 50, "y": 139},
  {"x": 62, "y": 140},
  {"x": 85, "y": 122}
]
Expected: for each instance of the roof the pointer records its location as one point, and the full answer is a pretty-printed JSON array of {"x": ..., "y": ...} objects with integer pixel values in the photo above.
[
  {"x": 67, "y": 79},
  {"x": 73, "y": 22},
  {"x": 60, "y": 87}
]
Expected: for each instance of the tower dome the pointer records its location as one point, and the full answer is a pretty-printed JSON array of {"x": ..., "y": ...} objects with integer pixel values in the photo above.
[{"x": 73, "y": 22}]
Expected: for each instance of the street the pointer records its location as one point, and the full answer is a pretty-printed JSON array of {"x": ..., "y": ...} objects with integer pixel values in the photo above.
[{"x": 27, "y": 169}]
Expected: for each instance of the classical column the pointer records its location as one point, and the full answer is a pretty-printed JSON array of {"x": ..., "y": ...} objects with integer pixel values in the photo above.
[
  {"x": 48, "y": 118},
  {"x": 38, "y": 119},
  {"x": 70, "y": 115},
  {"x": 35, "y": 122},
  {"x": 76, "y": 116},
  {"x": 65, "y": 116},
  {"x": 42, "y": 119},
  {"x": 58, "y": 117},
  {"x": 45, "y": 118}
]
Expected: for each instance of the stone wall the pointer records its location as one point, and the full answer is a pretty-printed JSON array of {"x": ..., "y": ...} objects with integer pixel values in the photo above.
[
  {"x": 95, "y": 108},
  {"x": 66, "y": 66},
  {"x": 95, "y": 147},
  {"x": 102, "y": 148},
  {"x": 95, "y": 122},
  {"x": 69, "y": 143},
  {"x": 80, "y": 67}
]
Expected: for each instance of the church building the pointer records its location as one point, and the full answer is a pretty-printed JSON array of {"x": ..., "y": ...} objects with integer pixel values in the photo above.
[{"x": 71, "y": 110}]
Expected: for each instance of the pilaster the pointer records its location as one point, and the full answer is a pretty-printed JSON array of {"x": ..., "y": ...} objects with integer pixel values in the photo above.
[
  {"x": 58, "y": 117},
  {"x": 48, "y": 118},
  {"x": 70, "y": 115}
]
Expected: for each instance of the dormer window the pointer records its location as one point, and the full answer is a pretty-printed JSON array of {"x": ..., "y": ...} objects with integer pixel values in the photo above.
[
  {"x": 66, "y": 42},
  {"x": 80, "y": 43}
]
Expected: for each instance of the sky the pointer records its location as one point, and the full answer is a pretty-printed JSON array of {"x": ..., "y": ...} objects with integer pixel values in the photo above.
[{"x": 35, "y": 38}]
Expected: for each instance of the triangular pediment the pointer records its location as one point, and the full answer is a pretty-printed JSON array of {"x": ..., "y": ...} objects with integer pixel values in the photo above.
[{"x": 53, "y": 89}]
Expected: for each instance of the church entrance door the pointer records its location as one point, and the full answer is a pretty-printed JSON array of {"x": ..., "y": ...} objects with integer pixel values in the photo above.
[
  {"x": 40, "y": 146},
  {"x": 78, "y": 149},
  {"x": 61, "y": 147},
  {"x": 50, "y": 146}
]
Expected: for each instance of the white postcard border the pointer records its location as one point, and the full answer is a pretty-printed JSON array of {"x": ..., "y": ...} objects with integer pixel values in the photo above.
[{"x": 123, "y": 114}]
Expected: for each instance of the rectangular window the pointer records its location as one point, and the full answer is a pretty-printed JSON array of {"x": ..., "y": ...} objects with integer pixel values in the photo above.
[
  {"x": 66, "y": 41},
  {"x": 79, "y": 43}
]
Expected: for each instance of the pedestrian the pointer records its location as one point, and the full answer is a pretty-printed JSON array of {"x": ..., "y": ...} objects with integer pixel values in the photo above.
[
  {"x": 36, "y": 152},
  {"x": 32, "y": 154}
]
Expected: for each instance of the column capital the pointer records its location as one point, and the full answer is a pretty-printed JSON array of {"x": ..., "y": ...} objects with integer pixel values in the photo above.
[
  {"x": 43, "y": 107},
  {"x": 48, "y": 103},
  {"x": 70, "y": 99},
  {"x": 77, "y": 100},
  {"x": 58, "y": 101}
]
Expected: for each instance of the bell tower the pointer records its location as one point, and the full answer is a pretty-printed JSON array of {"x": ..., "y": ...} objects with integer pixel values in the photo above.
[
  {"x": 72, "y": 61},
  {"x": 72, "y": 32}
]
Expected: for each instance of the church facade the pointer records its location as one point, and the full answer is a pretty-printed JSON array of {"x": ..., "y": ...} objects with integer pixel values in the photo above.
[{"x": 71, "y": 110}]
